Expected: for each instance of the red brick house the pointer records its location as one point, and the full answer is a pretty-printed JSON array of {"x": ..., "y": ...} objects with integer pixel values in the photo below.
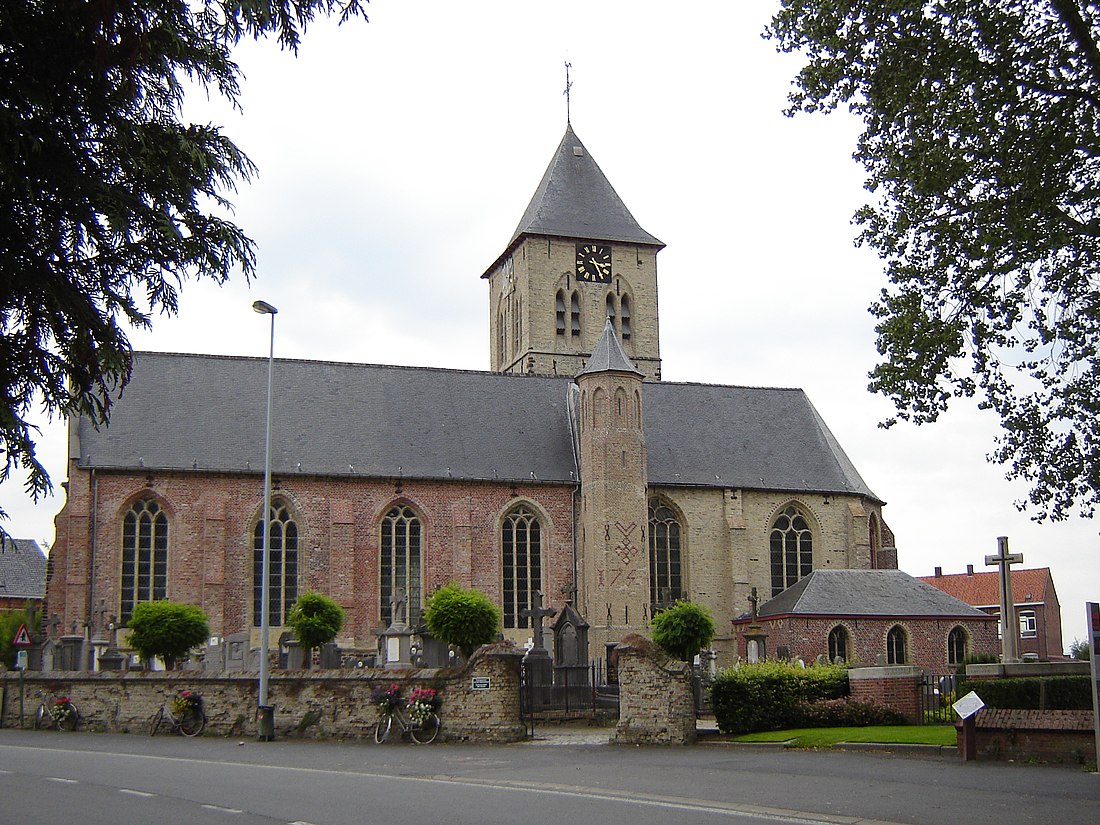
[
  {"x": 1038, "y": 614},
  {"x": 870, "y": 617}
]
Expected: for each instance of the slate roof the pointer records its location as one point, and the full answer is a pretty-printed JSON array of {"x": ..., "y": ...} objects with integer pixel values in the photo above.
[
  {"x": 864, "y": 593},
  {"x": 608, "y": 355},
  {"x": 984, "y": 589},
  {"x": 22, "y": 569},
  {"x": 206, "y": 413}
]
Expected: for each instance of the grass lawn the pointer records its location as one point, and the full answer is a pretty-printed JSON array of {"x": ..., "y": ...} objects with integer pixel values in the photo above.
[{"x": 827, "y": 737}]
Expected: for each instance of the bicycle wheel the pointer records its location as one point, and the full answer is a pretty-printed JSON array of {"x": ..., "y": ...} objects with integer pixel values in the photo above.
[
  {"x": 426, "y": 732},
  {"x": 40, "y": 718},
  {"x": 158, "y": 720},
  {"x": 382, "y": 729},
  {"x": 192, "y": 722},
  {"x": 70, "y": 720}
]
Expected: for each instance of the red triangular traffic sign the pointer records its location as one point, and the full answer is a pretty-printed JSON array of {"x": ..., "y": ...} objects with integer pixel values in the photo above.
[{"x": 22, "y": 637}]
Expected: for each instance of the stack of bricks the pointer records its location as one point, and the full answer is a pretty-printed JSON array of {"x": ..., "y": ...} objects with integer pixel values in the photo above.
[{"x": 656, "y": 700}]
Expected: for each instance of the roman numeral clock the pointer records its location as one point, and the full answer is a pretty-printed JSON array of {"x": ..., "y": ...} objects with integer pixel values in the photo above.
[{"x": 593, "y": 263}]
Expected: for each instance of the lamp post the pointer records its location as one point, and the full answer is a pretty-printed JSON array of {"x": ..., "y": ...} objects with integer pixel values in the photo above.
[{"x": 265, "y": 711}]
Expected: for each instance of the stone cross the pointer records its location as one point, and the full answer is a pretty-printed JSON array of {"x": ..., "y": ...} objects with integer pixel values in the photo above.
[
  {"x": 754, "y": 600},
  {"x": 1009, "y": 630},
  {"x": 569, "y": 591},
  {"x": 537, "y": 613},
  {"x": 396, "y": 604}
]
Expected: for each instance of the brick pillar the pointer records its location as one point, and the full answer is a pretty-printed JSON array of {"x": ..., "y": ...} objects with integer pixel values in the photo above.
[
  {"x": 656, "y": 700},
  {"x": 896, "y": 687}
]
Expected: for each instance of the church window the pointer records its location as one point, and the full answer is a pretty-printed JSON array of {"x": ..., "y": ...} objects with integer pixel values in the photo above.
[
  {"x": 792, "y": 551},
  {"x": 282, "y": 570},
  {"x": 956, "y": 646},
  {"x": 611, "y": 310},
  {"x": 575, "y": 314},
  {"x": 665, "y": 577},
  {"x": 521, "y": 545},
  {"x": 838, "y": 643},
  {"x": 873, "y": 539},
  {"x": 559, "y": 309},
  {"x": 144, "y": 555},
  {"x": 896, "y": 652},
  {"x": 400, "y": 563},
  {"x": 625, "y": 317},
  {"x": 502, "y": 334}
]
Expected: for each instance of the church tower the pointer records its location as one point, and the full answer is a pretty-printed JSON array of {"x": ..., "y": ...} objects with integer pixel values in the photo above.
[
  {"x": 577, "y": 258},
  {"x": 612, "y": 554}
]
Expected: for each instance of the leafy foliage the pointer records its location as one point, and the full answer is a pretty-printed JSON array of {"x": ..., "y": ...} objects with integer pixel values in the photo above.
[
  {"x": 1080, "y": 650},
  {"x": 464, "y": 618},
  {"x": 9, "y": 626},
  {"x": 683, "y": 630},
  {"x": 315, "y": 620},
  {"x": 168, "y": 630},
  {"x": 767, "y": 695},
  {"x": 844, "y": 713},
  {"x": 1033, "y": 693},
  {"x": 982, "y": 147},
  {"x": 110, "y": 201}
]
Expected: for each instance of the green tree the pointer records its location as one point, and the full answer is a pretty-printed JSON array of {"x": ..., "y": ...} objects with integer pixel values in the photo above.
[
  {"x": 9, "y": 626},
  {"x": 168, "y": 630},
  {"x": 1080, "y": 650},
  {"x": 464, "y": 618},
  {"x": 683, "y": 629},
  {"x": 110, "y": 201},
  {"x": 981, "y": 142},
  {"x": 315, "y": 620}
]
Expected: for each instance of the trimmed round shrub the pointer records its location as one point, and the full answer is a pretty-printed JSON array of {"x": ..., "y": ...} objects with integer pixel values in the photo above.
[
  {"x": 683, "y": 630},
  {"x": 464, "y": 618},
  {"x": 315, "y": 620},
  {"x": 169, "y": 630}
]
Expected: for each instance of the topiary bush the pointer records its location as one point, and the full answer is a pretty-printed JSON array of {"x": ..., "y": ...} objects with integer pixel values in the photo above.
[
  {"x": 683, "y": 630},
  {"x": 464, "y": 618},
  {"x": 315, "y": 620},
  {"x": 168, "y": 630},
  {"x": 766, "y": 695}
]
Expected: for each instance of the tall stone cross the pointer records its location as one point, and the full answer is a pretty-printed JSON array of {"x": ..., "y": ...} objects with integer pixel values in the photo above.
[
  {"x": 754, "y": 600},
  {"x": 395, "y": 607},
  {"x": 1010, "y": 651},
  {"x": 538, "y": 613}
]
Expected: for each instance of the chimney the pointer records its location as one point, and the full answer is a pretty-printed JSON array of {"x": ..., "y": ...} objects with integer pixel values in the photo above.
[
  {"x": 939, "y": 572},
  {"x": 970, "y": 570}
]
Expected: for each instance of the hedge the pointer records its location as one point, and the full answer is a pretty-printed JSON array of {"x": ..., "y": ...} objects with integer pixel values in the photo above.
[
  {"x": 1033, "y": 693},
  {"x": 767, "y": 695}
]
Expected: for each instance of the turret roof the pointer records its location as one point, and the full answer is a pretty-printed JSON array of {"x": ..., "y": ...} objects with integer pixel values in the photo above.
[{"x": 608, "y": 355}]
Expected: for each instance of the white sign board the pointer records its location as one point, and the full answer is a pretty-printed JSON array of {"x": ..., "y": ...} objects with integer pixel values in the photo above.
[
  {"x": 479, "y": 683},
  {"x": 968, "y": 705},
  {"x": 21, "y": 660}
]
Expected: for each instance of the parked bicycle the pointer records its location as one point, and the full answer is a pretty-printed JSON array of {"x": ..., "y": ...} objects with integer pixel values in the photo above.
[
  {"x": 417, "y": 717},
  {"x": 60, "y": 714},
  {"x": 182, "y": 714}
]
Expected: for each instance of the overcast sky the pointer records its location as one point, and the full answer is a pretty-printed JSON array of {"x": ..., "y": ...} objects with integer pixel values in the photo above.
[{"x": 397, "y": 156}]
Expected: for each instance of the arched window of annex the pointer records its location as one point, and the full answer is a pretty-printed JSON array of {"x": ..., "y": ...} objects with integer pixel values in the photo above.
[
  {"x": 282, "y": 571},
  {"x": 839, "y": 644},
  {"x": 874, "y": 539},
  {"x": 521, "y": 541},
  {"x": 897, "y": 646},
  {"x": 144, "y": 554},
  {"x": 792, "y": 547},
  {"x": 559, "y": 312},
  {"x": 624, "y": 317},
  {"x": 666, "y": 572},
  {"x": 575, "y": 314},
  {"x": 958, "y": 645},
  {"x": 401, "y": 548}
]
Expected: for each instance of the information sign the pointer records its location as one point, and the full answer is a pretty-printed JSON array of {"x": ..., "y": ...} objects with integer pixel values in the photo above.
[
  {"x": 968, "y": 705},
  {"x": 479, "y": 683}
]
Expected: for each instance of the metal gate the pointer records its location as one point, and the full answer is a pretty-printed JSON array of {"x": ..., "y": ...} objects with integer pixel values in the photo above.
[{"x": 576, "y": 693}]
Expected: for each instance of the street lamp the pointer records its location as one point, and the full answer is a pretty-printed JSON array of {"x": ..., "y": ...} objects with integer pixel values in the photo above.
[{"x": 265, "y": 711}]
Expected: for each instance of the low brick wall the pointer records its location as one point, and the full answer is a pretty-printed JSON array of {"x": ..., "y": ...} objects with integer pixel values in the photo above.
[
  {"x": 897, "y": 687},
  {"x": 313, "y": 704},
  {"x": 656, "y": 701},
  {"x": 1065, "y": 736}
]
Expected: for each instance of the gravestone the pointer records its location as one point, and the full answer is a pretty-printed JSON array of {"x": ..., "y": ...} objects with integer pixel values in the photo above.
[
  {"x": 236, "y": 654},
  {"x": 537, "y": 663},
  {"x": 571, "y": 668},
  {"x": 331, "y": 658}
]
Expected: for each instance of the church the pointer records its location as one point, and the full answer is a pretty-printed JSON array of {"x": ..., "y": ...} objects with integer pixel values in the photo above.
[{"x": 570, "y": 469}]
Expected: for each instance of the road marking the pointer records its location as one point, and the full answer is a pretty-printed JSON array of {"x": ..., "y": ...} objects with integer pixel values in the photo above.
[
  {"x": 63, "y": 780},
  {"x": 132, "y": 792},
  {"x": 223, "y": 810}
]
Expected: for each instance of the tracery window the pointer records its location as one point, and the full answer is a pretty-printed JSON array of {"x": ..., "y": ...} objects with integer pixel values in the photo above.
[
  {"x": 521, "y": 560},
  {"x": 665, "y": 572},
  {"x": 400, "y": 563},
  {"x": 838, "y": 643},
  {"x": 792, "y": 549},
  {"x": 896, "y": 647},
  {"x": 144, "y": 556},
  {"x": 282, "y": 566}
]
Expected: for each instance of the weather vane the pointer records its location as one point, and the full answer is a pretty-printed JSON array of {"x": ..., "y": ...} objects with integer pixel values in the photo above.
[{"x": 568, "y": 86}]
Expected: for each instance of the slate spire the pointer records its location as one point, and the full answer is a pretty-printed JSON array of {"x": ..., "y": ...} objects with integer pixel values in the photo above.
[{"x": 608, "y": 355}]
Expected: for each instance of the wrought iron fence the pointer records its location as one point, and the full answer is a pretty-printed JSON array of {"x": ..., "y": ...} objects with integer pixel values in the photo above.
[
  {"x": 575, "y": 693},
  {"x": 937, "y": 697}
]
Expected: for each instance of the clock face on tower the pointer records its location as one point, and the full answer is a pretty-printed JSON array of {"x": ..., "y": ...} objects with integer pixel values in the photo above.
[{"x": 593, "y": 263}]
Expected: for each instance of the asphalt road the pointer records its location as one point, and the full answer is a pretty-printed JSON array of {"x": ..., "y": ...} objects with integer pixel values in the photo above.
[{"x": 86, "y": 778}]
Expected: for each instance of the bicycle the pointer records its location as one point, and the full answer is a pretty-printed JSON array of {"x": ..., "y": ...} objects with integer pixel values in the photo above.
[
  {"x": 184, "y": 714},
  {"x": 423, "y": 728},
  {"x": 61, "y": 714}
]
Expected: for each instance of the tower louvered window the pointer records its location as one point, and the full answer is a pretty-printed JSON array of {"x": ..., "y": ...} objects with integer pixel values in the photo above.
[
  {"x": 144, "y": 556},
  {"x": 792, "y": 549},
  {"x": 575, "y": 313},
  {"x": 400, "y": 564},
  {"x": 559, "y": 311},
  {"x": 282, "y": 566},
  {"x": 521, "y": 549},
  {"x": 625, "y": 317}
]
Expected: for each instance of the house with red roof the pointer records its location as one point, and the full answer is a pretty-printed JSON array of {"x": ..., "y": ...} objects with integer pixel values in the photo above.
[{"x": 1038, "y": 615}]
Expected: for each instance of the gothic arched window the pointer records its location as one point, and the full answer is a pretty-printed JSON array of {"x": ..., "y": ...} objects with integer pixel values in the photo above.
[
  {"x": 956, "y": 646},
  {"x": 400, "y": 563},
  {"x": 144, "y": 556},
  {"x": 282, "y": 571},
  {"x": 521, "y": 557},
  {"x": 665, "y": 575},
  {"x": 792, "y": 549},
  {"x": 838, "y": 643},
  {"x": 896, "y": 647}
]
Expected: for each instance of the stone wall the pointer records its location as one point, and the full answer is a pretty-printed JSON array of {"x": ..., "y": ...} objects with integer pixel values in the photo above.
[
  {"x": 656, "y": 701},
  {"x": 1024, "y": 735},
  {"x": 897, "y": 687},
  {"x": 313, "y": 704}
]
